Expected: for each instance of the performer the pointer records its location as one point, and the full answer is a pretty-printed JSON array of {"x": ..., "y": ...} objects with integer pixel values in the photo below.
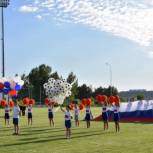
[
  {"x": 105, "y": 115},
  {"x": 116, "y": 116},
  {"x": 88, "y": 116},
  {"x": 16, "y": 113},
  {"x": 50, "y": 114},
  {"x": 29, "y": 111},
  {"x": 76, "y": 115},
  {"x": 7, "y": 115},
  {"x": 68, "y": 118}
]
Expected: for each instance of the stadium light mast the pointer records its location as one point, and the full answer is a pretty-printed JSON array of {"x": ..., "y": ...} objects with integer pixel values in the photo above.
[
  {"x": 3, "y": 4},
  {"x": 110, "y": 70}
]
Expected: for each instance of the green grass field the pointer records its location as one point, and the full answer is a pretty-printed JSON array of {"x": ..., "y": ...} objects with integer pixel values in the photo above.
[{"x": 40, "y": 138}]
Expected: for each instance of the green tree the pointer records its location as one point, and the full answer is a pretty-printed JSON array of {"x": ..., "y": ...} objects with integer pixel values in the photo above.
[
  {"x": 37, "y": 77},
  {"x": 140, "y": 97},
  {"x": 55, "y": 75},
  {"x": 84, "y": 92},
  {"x": 72, "y": 79}
]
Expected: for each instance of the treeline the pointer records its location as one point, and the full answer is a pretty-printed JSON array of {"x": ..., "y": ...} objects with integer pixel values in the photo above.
[{"x": 34, "y": 81}]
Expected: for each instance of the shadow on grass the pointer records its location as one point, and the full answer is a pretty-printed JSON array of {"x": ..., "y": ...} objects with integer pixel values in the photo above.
[{"x": 54, "y": 138}]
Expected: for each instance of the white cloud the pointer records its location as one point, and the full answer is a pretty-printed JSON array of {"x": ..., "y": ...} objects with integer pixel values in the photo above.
[
  {"x": 39, "y": 17},
  {"x": 124, "y": 18},
  {"x": 28, "y": 9}
]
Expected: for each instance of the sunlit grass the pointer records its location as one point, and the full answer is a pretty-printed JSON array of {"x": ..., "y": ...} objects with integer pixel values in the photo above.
[{"x": 40, "y": 138}]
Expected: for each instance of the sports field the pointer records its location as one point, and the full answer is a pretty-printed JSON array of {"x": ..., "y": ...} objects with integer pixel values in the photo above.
[{"x": 40, "y": 138}]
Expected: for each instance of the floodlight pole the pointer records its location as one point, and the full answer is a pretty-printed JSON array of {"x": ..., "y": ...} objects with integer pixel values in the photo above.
[
  {"x": 3, "y": 4},
  {"x": 2, "y": 39},
  {"x": 110, "y": 69}
]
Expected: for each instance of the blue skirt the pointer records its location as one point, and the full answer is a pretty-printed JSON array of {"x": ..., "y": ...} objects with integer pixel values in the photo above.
[
  {"x": 87, "y": 118},
  {"x": 7, "y": 116},
  {"x": 116, "y": 117},
  {"x": 68, "y": 124},
  {"x": 105, "y": 116},
  {"x": 50, "y": 115},
  {"x": 29, "y": 115}
]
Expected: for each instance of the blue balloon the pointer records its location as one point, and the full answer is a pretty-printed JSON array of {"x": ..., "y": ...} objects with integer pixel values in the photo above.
[
  {"x": 1, "y": 90},
  {"x": 6, "y": 91},
  {"x": 14, "y": 97},
  {"x": 17, "y": 87},
  {"x": 7, "y": 84}
]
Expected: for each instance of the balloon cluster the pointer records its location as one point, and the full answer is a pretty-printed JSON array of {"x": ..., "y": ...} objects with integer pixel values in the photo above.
[
  {"x": 28, "y": 101},
  {"x": 57, "y": 90},
  {"x": 85, "y": 102},
  {"x": 114, "y": 100},
  {"x": 3, "y": 103},
  {"x": 11, "y": 86},
  {"x": 102, "y": 99},
  {"x": 49, "y": 102}
]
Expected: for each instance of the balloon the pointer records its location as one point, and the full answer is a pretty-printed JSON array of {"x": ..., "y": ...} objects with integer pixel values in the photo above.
[
  {"x": 57, "y": 90},
  {"x": 83, "y": 102},
  {"x": 13, "y": 92},
  {"x": 15, "y": 97},
  {"x": 81, "y": 106},
  {"x": 17, "y": 87},
  {"x": 26, "y": 101},
  {"x": 31, "y": 101},
  {"x": 1, "y": 90},
  {"x": 7, "y": 84},
  {"x": 88, "y": 101},
  {"x": 3, "y": 103},
  {"x": 47, "y": 101},
  {"x": 117, "y": 100},
  {"x": 101, "y": 98},
  {"x": 11, "y": 104},
  {"x": 111, "y": 99},
  {"x": 71, "y": 106},
  {"x": 5, "y": 91},
  {"x": 1, "y": 85}
]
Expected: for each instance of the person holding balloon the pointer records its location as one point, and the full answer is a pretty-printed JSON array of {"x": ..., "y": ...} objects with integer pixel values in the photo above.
[
  {"x": 105, "y": 114},
  {"x": 29, "y": 110},
  {"x": 76, "y": 115},
  {"x": 50, "y": 113},
  {"x": 7, "y": 115},
  {"x": 115, "y": 100},
  {"x": 102, "y": 99},
  {"x": 88, "y": 114},
  {"x": 68, "y": 118},
  {"x": 16, "y": 113},
  {"x": 30, "y": 103}
]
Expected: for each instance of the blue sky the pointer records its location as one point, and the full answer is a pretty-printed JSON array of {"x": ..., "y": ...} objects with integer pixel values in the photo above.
[{"x": 37, "y": 33}]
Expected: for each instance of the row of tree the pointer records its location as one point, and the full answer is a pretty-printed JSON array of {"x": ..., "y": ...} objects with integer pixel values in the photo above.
[{"x": 34, "y": 81}]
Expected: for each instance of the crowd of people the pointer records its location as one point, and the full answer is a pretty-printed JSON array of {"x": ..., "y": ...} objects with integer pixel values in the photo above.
[{"x": 67, "y": 116}]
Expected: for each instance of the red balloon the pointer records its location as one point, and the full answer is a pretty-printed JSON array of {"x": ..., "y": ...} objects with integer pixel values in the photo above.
[
  {"x": 71, "y": 106},
  {"x": 88, "y": 101},
  {"x": 111, "y": 99},
  {"x": 1, "y": 85},
  {"x": 84, "y": 101},
  {"x": 11, "y": 103},
  {"x": 117, "y": 100},
  {"x": 101, "y": 98},
  {"x": 81, "y": 106},
  {"x": 26, "y": 101},
  {"x": 13, "y": 92},
  {"x": 31, "y": 102},
  {"x": 47, "y": 101},
  {"x": 3, "y": 103}
]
